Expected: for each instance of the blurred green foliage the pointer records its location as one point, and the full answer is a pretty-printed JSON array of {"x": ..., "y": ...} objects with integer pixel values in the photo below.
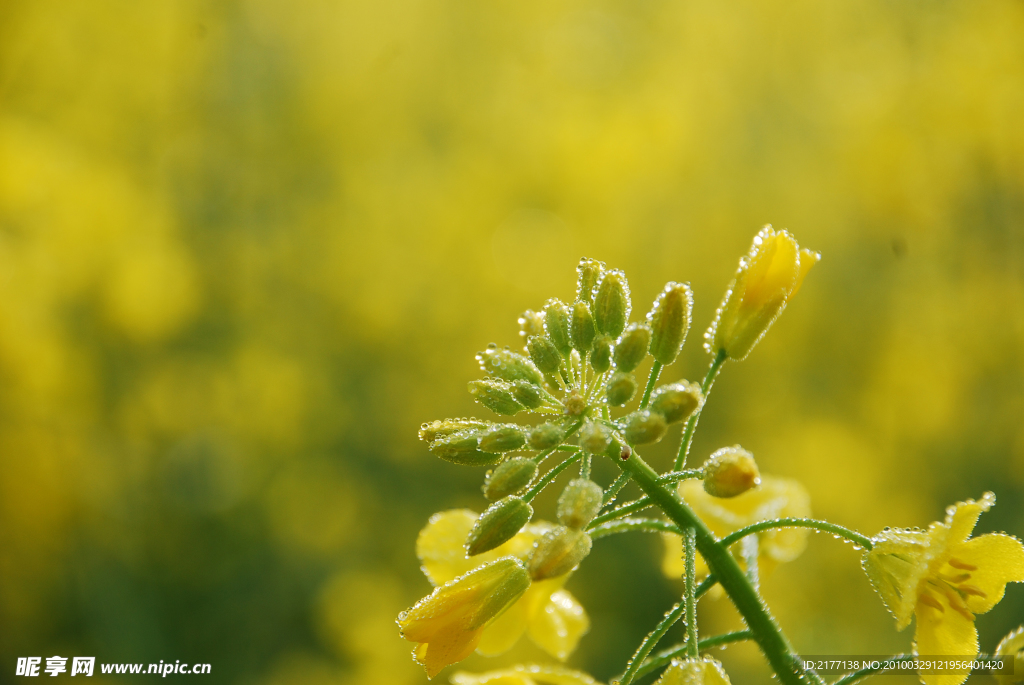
[{"x": 247, "y": 247}]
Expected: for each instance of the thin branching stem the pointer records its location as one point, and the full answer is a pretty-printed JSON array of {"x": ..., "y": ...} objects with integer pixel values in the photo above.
[
  {"x": 550, "y": 476},
  {"x": 824, "y": 526},
  {"x": 629, "y": 525},
  {"x": 690, "y": 558},
  {"x": 626, "y": 509},
  {"x": 691, "y": 423},
  {"x": 650, "y": 642},
  {"x": 665, "y": 657},
  {"x": 613, "y": 489},
  {"x": 675, "y": 476},
  {"x": 651, "y": 380}
]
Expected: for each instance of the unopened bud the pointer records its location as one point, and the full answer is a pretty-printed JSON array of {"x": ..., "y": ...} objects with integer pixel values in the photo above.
[
  {"x": 643, "y": 427},
  {"x": 509, "y": 477},
  {"x": 433, "y": 430},
  {"x": 508, "y": 365},
  {"x": 527, "y": 394},
  {"x": 574, "y": 404},
  {"x": 556, "y": 325},
  {"x": 611, "y": 303},
  {"x": 1011, "y": 650},
  {"x": 621, "y": 388},
  {"x": 463, "y": 448},
  {"x": 581, "y": 329},
  {"x": 767, "y": 279},
  {"x": 730, "y": 471},
  {"x": 677, "y": 401},
  {"x": 531, "y": 323},
  {"x": 502, "y": 438},
  {"x": 544, "y": 353},
  {"x": 579, "y": 503},
  {"x": 545, "y": 436},
  {"x": 588, "y": 273},
  {"x": 558, "y": 551},
  {"x": 601, "y": 355},
  {"x": 495, "y": 395},
  {"x": 594, "y": 437},
  {"x": 632, "y": 347},
  {"x": 498, "y": 525},
  {"x": 694, "y": 671},
  {"x": 669, "y": 321}
]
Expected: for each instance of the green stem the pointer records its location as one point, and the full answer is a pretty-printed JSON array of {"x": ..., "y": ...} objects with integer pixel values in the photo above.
[
  {"x": 748, "y": 602},
  {"x": 651, "y": 380},
  {"x": 585, "y": 466},
  {"x": 650, "y": 641},
  {"x": 675, "y": 476},
  {"x": 824, "y": 526},
  {"x": 613, "y": 489},
  {"x": 705, "y": 585},
  {"x": 691, "y": 424},
  {"x": 550, "y": 476},
  {"x": 630, "y": 525},
  {"x": 628, "y": 508},
  {"x": 690, "y": 556},
  {"x": 665, "y": 657}
]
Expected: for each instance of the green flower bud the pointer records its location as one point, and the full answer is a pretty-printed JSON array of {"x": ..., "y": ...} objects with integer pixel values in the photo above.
[
  {"x": 574, "y": 404},
  {"x": 463, "y": 448},
  {"x": 544, "y": 353},
  {"x": 601, "y": 355},
  {"x": 594, "y": 437},
  {"x": 669, "y": 321},
  {"x": 433, "y": 430},
  {"x": 730, "y": 471},
  {"x": 582, "y": 330},
  {"x": 621, "y": 388},
  {"x": 502, "y": 438},
  {"x": 498, "y": 525},
  {"x": 643, "y": 427},
  {"x": 632, "y": 346},
  {"x": 509, "y": 477},
  {"x": 579, "y": 503},
  {"x": 588, "y": 273},
  {"x": 531, "y": 323},
  {"x": 545, "y": 436},
  {"x": 556, "y": 325},
  {"x": 508, "y": 365},
  {"x": 558, "y": 551},
  {"x": 527, "y": 394},
  {"x": 611, "y": 303},
  {"x": 495, "y": 395},
  {"x": 677, "y": 401}
]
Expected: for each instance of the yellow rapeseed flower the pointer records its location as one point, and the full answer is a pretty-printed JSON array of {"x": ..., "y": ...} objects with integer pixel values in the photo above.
[
  {"x": 525, "y": 675},
  {"x": 449, "y": 623},
  {"x": 767, "y": 279},
  {"x": 1012, "y": 647},
  {"x": 552, "y": 618},
  {"x": 774, "y": 498},
  {"x": 694, "y": 671},
  {"x": 944, "y": 577}
]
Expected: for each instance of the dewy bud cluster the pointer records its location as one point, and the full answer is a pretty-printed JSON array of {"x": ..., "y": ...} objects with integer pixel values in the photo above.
[{"x": 575, "y": 379}]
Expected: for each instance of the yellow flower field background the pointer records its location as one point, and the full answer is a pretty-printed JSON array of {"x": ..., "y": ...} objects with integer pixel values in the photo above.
[{"x": 247, "y": 247}]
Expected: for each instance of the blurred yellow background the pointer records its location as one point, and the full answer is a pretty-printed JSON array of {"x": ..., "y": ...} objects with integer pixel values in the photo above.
[{"x": 247, "y": 247}]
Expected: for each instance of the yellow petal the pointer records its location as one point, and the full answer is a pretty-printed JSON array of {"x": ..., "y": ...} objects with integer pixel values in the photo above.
[
  {"x": 525, "y": 675},
  {"x": 961, "y": 518},
  {"x": 501, "y": 635},
  {"x": 559, "y": 624},
  {"x": 808, "y": 258},
  {"x": 1000, "y": 560},
  {"x": 945, "y": 633},
  {"x": 441, "y": 545},
  {"x": 773, "y": 270}
]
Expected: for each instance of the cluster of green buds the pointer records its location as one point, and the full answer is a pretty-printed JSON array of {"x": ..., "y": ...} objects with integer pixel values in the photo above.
[{"x": 576, "y": 375}]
